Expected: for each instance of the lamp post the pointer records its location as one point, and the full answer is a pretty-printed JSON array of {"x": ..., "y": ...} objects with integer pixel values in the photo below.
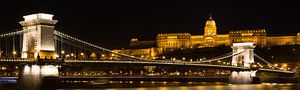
[
  {"x": 102, "y": 56},
  {"x": 62, "y": 54},
  {"x": 72, "y": 55},
  {"x": 82, "y": 55},
  {"x": 14, "y": 54}
]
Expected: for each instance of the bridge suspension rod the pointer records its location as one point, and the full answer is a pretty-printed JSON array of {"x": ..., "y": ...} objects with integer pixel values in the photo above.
[{"x": 262, "y": 59}]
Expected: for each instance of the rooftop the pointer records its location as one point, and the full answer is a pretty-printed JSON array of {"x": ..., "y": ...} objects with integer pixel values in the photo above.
[{"x": 38, "y": 16}]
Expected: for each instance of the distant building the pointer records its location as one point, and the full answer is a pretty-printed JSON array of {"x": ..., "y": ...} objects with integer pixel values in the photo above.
[
  {"x": 258, "y": 36},
  {"x": 169, "y": 41},
  {"x": 282, "y": 40},
  {"x": 135, "y": 43},
  {"x": 173, "y": 40}
]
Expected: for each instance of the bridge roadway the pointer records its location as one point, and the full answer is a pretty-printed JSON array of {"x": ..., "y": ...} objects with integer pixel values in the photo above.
[
  {"x": 146, "y": 79},
  {"x": 174, "y": 63},
  {"x": 139, "y": 77},
  {"x": 152, "y": 62}
]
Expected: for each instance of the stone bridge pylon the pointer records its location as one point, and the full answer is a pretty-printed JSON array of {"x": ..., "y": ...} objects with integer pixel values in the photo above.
[
  {"x": 39, "y": 36},
  {"x": 246, "y": 56}
]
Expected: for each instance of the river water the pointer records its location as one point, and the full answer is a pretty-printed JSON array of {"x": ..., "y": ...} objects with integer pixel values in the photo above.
[
  {"x": 263, "y": 86},
  {"x": 169, "y": 86},
  {"x": 268, "y": 86},
  {"x": 31, "y": 80}
]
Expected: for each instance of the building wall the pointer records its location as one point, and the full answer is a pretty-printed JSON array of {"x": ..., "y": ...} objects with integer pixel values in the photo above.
[
  {"x": 223, "y": 39},
  {"x": 298, "y": 37},
  {"x": 144, "y": 53},
  {"x": 197, "y": 41},
  {"x": 281, "y": 40},
  {"x": 173, "y": 40},
  {"x": 257, "y": 36},
  {"x": 136, "y": 43}
]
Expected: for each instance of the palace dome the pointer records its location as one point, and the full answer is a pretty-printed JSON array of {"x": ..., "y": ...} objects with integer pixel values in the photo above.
[{"x": 210, "y": 22}]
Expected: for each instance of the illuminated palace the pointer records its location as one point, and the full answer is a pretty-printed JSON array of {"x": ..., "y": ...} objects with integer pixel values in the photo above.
[{"x": 170, "y": 41}]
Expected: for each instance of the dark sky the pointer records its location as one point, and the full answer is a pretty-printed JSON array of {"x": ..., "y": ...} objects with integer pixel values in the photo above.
[{"x": 111, "y": 23}]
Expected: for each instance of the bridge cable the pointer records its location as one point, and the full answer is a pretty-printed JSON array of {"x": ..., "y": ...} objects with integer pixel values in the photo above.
[
  {"x": 216, "y": 59},
  {"x": 95, "y": 46},
  {"x": 18, "y": 32},
  {"x": 223, "y": 57},
  {"x": 262, "y": 59}
]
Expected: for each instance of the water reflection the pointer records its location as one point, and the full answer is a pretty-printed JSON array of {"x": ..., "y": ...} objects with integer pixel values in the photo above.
[
  {"x": 221, "y": 87},
  {"x": 36, "y": 70},
  {"x": 31, "y": 77},
  {"x": 242, "y": 77}
]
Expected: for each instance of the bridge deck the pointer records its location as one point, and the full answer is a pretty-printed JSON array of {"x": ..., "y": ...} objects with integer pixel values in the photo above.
[{"x": 146, "y": 62}]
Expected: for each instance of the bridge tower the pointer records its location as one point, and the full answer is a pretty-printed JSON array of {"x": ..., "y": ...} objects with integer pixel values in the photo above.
[
  {"x": 246, "y": 58},
  {"x": 39, "y": 38}
]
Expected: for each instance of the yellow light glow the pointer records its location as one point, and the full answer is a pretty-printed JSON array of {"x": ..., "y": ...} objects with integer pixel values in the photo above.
[
  {"x": 26, "y": 70},
  {"x": 247, "y": 34},
  {"x": 243, "y": 44},
  {"x": 49, "y": 70},
  {"x": 172, "y": 37},
  {"x": 284, "y": 65},
  {"x": 35, "y": 69},
  {"x": 14, "y": 52},
  {"x": 56, "y": 55}
]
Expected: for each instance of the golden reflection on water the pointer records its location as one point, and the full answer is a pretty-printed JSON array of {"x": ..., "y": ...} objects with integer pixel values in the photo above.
[
  {"x": 263, "y": 86},
  {"x": 163, "y": 88},
  {"x": 183, "y": 88}
]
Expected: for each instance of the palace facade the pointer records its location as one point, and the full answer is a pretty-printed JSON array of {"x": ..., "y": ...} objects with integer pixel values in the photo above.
[{"x": 210, "y": 38}]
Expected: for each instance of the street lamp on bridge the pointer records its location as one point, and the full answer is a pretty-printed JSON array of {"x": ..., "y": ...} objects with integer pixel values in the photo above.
[
  {"x": 72, "y": 55},
  {"x": 14, "y": 54},
  {"x": 82, "y": 55},
  {"x": 62, "y": 54}
]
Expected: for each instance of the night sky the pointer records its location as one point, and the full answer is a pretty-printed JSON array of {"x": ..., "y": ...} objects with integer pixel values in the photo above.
[{"x": 111, "y": 23}]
